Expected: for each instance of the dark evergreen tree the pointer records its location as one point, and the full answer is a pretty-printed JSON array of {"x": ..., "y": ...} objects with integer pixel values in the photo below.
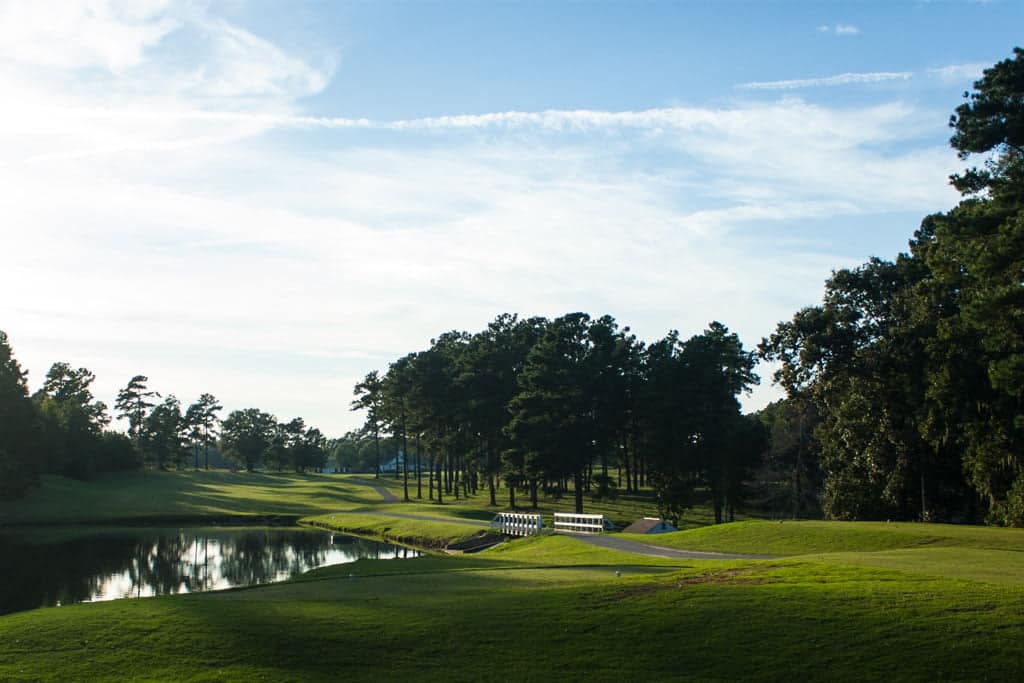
[{"x": 19, "y": 467}]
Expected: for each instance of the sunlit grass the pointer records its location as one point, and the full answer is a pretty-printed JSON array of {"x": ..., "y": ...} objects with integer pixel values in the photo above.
[
  {"x": 798, "y": 538},
  {"x": 542, "y": 608}
]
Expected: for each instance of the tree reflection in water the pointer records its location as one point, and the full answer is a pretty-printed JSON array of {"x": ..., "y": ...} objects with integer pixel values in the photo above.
[{"x": 58, "y": 568}]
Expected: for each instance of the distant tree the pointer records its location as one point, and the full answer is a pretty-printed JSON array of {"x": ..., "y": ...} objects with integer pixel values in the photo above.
[
  {"x": 370, "y": 397},
  {"x": 396, "y": 386},
  {"x": 165, "y": 434},
  {"x": 310, "y": 451},
  {"x": 345, "y": 451},
  {"x": 192, "y": 425},
  {"x": 692, "y": 430},
  {"x": 791, "y": 474},
  {"x": 718, "y": 371},
  {"x": 487, "y": 379},
  {"x": 133, "y": 402},
  {"x": 71, "y": 419},
  {"x": 991, "y": 120},
  {"x": 555, "y": 430},
  {"x": 860, "y": 358},
  {"x": 246, "y": 435},
  {"x": 18, "y": 435},
  {"x": 206, "y": 414}
]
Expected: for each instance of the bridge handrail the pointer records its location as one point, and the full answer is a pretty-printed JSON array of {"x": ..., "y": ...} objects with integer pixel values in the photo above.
[
  {"x": 517, "y": 523},
  {"x": 582, "y": 523}
]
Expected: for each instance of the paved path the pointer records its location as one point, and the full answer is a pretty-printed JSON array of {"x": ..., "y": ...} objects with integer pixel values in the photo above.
[
  {"x": 382, "y": 490},
  {"x": 600, "y": 540},
  {"x": 613, "y": 543},
  {"x": 389, "y": 497}
]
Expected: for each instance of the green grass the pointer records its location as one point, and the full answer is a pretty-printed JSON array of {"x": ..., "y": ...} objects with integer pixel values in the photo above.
[
  {"x": 426, "y": 533},
  {"x": 623, "y": 510},
  {"x": 154, "y": 495},
  {"x": 799, "y": 538},
  {"x": 541, "y": 609},
  {"x": 844, "y": 602},
  {"x": 151, "y": 495}
]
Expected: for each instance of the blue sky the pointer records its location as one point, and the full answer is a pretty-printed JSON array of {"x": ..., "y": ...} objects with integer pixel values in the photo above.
[{"x": 267, "y": 200}]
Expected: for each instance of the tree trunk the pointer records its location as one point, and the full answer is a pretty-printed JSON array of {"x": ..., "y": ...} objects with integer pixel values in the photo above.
[
  {"x": 376, "y": 445},
  {"x": 490, "y": 489},
  {"x": 577, "y": 480},
  {"x": 533, "y": 493},
  {"x": 440, "y": 486},
  {"x": 511, "y": 494},
  {"x": 797, "y": 492},
  {"x": 629, "y": 473},
  {"x": 456, "y": 476},
  {"x": 924, "y": 504},
  {"x": 419, "y": 468},
  {"x": 405, "y": 468}
]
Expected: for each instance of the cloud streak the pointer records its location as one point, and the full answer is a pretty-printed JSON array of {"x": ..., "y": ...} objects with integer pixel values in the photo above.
[
  {"x": 188, "y": 220},
  {"x": 830, "y": 81},
  {"x": 958, "y": 72},
  {"x": 839, "y": 29}
]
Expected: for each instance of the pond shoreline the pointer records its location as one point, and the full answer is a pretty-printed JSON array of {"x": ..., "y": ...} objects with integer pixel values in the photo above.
[{"x": 47, "y": 566}]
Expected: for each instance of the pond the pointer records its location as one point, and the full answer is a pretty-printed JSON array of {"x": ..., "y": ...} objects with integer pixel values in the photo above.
[{"x": 41, "y": 568}]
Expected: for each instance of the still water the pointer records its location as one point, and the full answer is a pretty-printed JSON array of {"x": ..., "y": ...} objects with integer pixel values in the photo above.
[{"x": 50, "y": 567}]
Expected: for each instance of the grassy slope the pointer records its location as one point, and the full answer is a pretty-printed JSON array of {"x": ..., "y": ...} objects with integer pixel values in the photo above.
[
  {"x": 154, "y": 495},
  {"x": 798, "y": 538},
  {"x": 963, "y": 552},
  {"x": 854, "y": 601},
  {"x": 541, "y": 609}
]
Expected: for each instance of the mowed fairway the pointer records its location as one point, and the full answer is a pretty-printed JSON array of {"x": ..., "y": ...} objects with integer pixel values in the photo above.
[
  {"x": 843, "y": 601},
  {"x": 517, "y": 615},
  {"x": 155, "y": 495}
]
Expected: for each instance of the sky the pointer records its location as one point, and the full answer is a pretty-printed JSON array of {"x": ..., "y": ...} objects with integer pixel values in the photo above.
[{"x": 267, "y": 200}]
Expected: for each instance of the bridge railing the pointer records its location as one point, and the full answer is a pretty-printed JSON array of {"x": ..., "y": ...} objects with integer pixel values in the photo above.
[
  {"x": 517, "y": 524},
  {"x": 582, "y": 524}
]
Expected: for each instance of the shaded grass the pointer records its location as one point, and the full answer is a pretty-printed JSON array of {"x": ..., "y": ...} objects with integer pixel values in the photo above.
[
  {"x": 861, "y": 600},
  {"x": 154, "y": 495},
  {"x": 623, "y": 510},
  {"x": 504, "y": 617}
]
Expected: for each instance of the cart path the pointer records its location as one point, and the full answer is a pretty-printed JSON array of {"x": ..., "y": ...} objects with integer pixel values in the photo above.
[
  {"x": 621, "y": 544},
  {"x": 599, "y": 540},
  {"x": 385, "y": 494}
]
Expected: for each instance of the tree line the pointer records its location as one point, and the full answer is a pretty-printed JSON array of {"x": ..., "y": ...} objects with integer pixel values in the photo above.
[
  {"x": 569, "y": 405},
  {"x": 905, "y": 387},
  {"x": 62, "y": 429}
]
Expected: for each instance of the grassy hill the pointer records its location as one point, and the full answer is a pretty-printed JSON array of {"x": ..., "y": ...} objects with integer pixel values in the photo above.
[
  {"x": 841, "y": 602},
  {"x": 540, "y": 609}
]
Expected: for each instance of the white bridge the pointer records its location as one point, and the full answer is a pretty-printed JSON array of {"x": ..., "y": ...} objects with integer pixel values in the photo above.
[
  {"x": 582, "y": 524},
  {"x": 516, "y": 524}
]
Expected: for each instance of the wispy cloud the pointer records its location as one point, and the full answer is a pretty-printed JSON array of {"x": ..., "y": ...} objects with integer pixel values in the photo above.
[
  {"x": 120, "y": 43},
  {"x": 181, "y": 239},
  {"x": 839, "y": 29},
  {"x": 958, "y": 72},
  {"x": 827, "y": 81},
  {"x": 110, "y": 35}
]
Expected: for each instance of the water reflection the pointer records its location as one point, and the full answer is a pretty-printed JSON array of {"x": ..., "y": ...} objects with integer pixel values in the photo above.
[{"x": 58, "y": 568}]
